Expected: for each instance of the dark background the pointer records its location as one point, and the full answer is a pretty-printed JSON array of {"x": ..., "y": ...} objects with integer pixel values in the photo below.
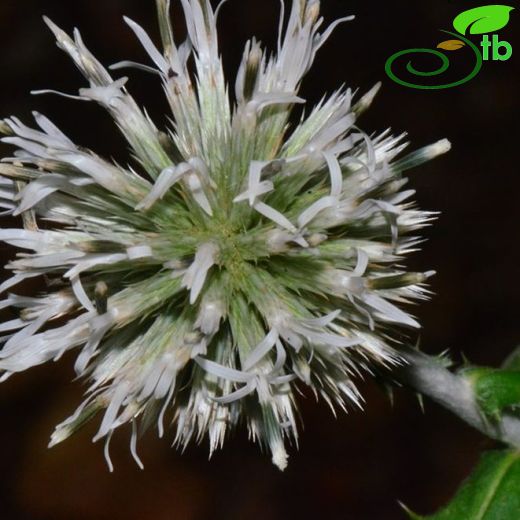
[{"x": 354, "y": 467}]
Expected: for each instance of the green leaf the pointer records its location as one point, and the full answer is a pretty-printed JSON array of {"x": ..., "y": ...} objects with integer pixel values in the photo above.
[
  {"x": 481, "y": 20},
  {"x": 495, "y": 390},
  {"x": 492, "y": 492}
]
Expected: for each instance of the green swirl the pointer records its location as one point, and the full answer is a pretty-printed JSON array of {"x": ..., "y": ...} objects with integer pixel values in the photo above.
[{"x": 443, "y": 67}]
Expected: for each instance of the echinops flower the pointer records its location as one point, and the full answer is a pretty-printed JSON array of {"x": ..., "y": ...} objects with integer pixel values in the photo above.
[{"x": 239, "y": 260}]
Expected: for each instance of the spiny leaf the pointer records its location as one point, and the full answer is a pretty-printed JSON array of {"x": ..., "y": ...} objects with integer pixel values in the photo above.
[
  {"x": 490, "y": 493},
  {"x": 513, "y": 361},
  {"x": 495, "y": 390},
  {"x": 481, "y": 20},
  {"x": 451, "y": 45}
]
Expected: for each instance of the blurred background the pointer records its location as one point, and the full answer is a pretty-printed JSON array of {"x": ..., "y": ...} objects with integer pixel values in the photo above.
[{"x": 354, "y": 467}]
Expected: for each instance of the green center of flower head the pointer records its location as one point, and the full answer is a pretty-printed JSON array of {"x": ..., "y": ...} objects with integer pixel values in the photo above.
[
  {"x": 231, "y": 250},
  {"x": 240, "y": 259}
]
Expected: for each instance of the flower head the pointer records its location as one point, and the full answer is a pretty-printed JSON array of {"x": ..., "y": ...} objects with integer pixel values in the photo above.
[{"x": 237, "y": 260}]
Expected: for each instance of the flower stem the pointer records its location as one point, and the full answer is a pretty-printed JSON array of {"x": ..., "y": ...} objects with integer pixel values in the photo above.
[{"x": 427, "y": 375}]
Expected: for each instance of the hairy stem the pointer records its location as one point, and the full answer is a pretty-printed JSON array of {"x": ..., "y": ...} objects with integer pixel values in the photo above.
[{"x": 428, "y": 376}]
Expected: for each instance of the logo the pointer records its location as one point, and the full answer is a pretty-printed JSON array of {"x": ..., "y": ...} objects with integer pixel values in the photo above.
[{"x": 478, "y": 21}]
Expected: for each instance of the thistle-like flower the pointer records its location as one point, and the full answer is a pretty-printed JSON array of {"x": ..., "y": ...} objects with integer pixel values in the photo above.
[{"x": 238, "y": 260}]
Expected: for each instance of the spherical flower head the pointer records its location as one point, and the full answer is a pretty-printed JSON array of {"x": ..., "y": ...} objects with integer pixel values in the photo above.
[{"x": 238, "y": 261}]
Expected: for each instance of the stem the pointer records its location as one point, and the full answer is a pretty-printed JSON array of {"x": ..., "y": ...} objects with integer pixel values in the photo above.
[{"x": 428, "y": 376}]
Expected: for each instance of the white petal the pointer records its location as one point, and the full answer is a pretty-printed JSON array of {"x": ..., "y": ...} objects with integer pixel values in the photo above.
[
  {"x": 12, "y": 325},
  {"x": 255, "y": 173},
  {"x": 34, "y": 149},
  {"x": 263, "y": 100},
  {"x": 93, "y": 261},
  {"x": 54, "y": 140},
  {"x": 336, "y": 176},
  {"x": 390, "y": 312},
  {"x": 362, "y": 263},
  {"x": 38, "y": 190},
  {"x": 126, "y": 64},
  {"x": 80, "y": 293},
  {"x": 167, "y": 178},
  {"x": 52, "y": 260},
  {"x": 261, "y": 189},
  {"x": 15, "y": 280},
  {"x": 51, "y": 129},
  {"x": 160, "y": 418},
  {"x": 219, "y": 7},
  {"x": 281, "y": 357},
  {"x": 148, "y": 45},
  {"x": 21, "y": 238},
  {"x": 116, "y": 400},
  {"x": 326, "y": 338},
  {"x": 315, "y": 209},
  {"x": 275, "y": 216},
  {"x": 255, "y": 187},
  {"x": 249, "y": 388},
  {"x": 227, "y": 373},
  {"x": 291, "y": 337},
  {"x": 323, "y": 321},
  {"x": 133, "y": 446},
  {"x": 58, "y": 93},
  {"x": 151, "y": 379},
  {"x": 332, "y": 27},
  {"x": 99, "y": 326},
  {"x": 105, "y": 94},
  {"x": 261, "y": 350},
  {"x": 195, "y": 186},
  {"x": 282, "y": 380},
  {"x": 165, "y": 383},
  {"x": 106, "y": 452},
  {"x": 196, "y": 274},
  {"x": 209, "y": 317}
]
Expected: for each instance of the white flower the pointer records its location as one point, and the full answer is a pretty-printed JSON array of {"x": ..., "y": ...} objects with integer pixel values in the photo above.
[{"x": 233, "y": 262}]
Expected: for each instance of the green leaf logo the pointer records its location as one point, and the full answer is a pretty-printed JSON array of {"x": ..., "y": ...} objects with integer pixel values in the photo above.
[{"x": 481, "y": 20}]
